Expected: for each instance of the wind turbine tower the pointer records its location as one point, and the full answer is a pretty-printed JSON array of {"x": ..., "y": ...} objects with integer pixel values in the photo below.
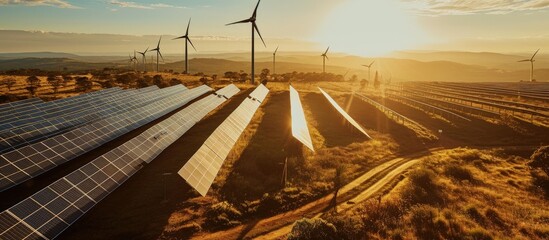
[
  {"x": 187, "y": 41},
  {"x": 158, "y": 53},
  {"x": 324, "y": 57},
  {"x": 369, "y": 68},
  {"x": 531, "y": 60}
]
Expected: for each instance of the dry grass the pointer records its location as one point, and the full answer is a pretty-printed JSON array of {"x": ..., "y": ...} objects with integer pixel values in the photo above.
[{"x": 458, "y": 194}]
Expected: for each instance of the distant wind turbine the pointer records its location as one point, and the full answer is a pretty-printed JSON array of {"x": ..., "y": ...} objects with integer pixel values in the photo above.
[
  {"x": 369, "y": 68},
  {"x": 187, "y": 41},
  {"x": 531, "y": 60},
  {"x": 254, "y": 28},
  {"x": 274, "y": 60},
  {"x": 133, "y": 60},
  {"x": 158, "y": 53},
  {"x": 324, "y": 57},
  {"x": 144, "y": 58}
]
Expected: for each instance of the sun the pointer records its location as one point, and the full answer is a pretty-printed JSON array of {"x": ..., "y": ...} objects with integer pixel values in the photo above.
[{"x": 370, "y": 28}]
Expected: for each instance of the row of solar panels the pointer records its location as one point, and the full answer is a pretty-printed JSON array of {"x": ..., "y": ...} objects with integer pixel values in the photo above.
[
  {"x": 30, "y": 161},
  {"x": 50, "y": 211},
  {"x": 12, "y": 105},
  {"x": 24, "y": 132}
]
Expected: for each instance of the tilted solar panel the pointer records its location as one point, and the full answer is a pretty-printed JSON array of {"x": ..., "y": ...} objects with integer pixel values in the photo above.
[
  {"x": 343, "y": 113},
  {"x": 300, "y": 130},
  {"x": 201, "y": 170},
  {"x": 50, "y": 211},
  {"x": 35, "y": 159}
]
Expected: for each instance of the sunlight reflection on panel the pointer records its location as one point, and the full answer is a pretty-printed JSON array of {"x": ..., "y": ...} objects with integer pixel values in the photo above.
[
  {"x": 200, "y": 171},
  {"x": 299, "y": 124},
  {"x": 345, "y": 115}
]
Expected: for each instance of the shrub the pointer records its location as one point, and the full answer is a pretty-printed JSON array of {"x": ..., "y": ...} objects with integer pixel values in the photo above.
[
  {"x": 422, "y": 187},
  {"x": 458, "y": 172},
  {"x": 223, "y": 214},
  {"x": 314, "y": 229},
  {"x": 480, "y": 234},
  {"x": 422, "y": 220},
  {"x": 540, "y": 159}
]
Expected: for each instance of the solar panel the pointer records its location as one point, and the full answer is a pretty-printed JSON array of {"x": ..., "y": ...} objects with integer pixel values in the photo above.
[
  {"x": 300, "y": 131},
  {"x": 343, "y": 113},
  {"x": 35, "y": 159},
  {"x": 50, "y": 211},
  {"x": 201, "y": 170},
  {"x": 58, "y": 123}
]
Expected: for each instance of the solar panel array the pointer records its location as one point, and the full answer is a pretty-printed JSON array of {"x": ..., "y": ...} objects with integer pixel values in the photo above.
[
  {"x": 343, "y": 113},
  {"x": 201, "y": 169},
  {"x": 50, "y": 211},
  {"x": 6, "y": 107},
  {"x": 31, "y": 111},
  {"x": 49, "y": 124},
  {"x": 32, "y": 160},
  {"x": 300, "y": 131}
]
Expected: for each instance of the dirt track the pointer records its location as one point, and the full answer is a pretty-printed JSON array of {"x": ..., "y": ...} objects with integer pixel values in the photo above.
[{"x": 281, "y": 224}]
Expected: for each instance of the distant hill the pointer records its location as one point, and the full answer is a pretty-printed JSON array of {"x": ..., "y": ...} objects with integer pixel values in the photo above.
[
  {"x": 396, "y": 69},
  {"x": 37, "y": 55}
]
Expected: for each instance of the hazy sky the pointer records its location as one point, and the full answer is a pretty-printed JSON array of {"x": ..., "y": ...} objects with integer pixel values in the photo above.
[{"x": 354, "y": 26}]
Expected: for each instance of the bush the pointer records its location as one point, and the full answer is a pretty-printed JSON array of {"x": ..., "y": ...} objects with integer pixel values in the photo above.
[
  {"x": 540, "y": 159},
  {"x": 480, "y": 234},
  {"x": 223, "y": 214},
  {"x": 422, "y": 220},
  {"x": 458, "y": 172},
  {"x": 422, "y": 187},
  {"x": 314, "y": 229}
]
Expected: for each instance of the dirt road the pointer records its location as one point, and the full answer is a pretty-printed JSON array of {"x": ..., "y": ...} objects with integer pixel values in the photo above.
[{"x": 358, "y": 190}]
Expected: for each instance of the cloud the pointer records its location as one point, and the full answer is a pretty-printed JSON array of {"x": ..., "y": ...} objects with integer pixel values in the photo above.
[
  {"x": 53, "y": 3},
  {"x": 465, "y": 7},
  {"x": 129, "y": 4},
  {"x": 125, "y": 4}
]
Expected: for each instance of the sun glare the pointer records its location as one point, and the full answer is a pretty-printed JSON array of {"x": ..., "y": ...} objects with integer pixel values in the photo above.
[{"x": 370, "y": 28}]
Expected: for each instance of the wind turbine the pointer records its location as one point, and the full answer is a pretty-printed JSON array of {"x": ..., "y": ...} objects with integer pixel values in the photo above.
[
  {"x": 369, "y": 68},
  {"x": 274, "y": 60},
  {"x": 144, "y": 58},
  {"x": 531, "y": 60},
  {"x": 187, "y": 40},
  {"x": 254, "y": 28},
  {"x": 158, "y": 53},
  {"x": 324, "y": 57},
  {"x": 133, "y": 60}
]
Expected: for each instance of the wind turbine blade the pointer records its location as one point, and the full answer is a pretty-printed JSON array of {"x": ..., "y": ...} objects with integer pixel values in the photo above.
[
  {"x": 192, "y": 45},
  {"x": 276, "y": 50},
  {"x": 257, "y": 30},
  {"x": 159, "y": 53},
  {"x": 179, "y": 37},
  {"x": 146, "y": 50},
  {"x": 525, "y": 60},
  {"x": 372, "y": 63},
  {"x": 326, "y": 50},
  {"x": 243, "y": 21},
  {"x": 188, "y": 25},
  {"x": 255, "y": 10},
  {"x": 326, "y": 56},
  {"x": 534, "y": 55},
  {"x": 158, "y": 45}
]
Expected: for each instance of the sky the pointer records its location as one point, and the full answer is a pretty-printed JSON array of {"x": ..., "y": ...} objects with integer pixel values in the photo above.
[{"x": 361, "y": 27}]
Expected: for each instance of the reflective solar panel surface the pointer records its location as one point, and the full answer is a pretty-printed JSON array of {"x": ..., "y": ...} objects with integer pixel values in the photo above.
[
  {"x": 300, "y": 130},
  {"x": 32, "y": 160},
  {"x": 343, "y": 113},
  {"x": 201, "y": 170},
  {"x": 50, "y": 211}
]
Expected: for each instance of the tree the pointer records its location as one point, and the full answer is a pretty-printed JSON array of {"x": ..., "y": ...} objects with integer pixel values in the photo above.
[
  {"x": 83, "y": 84},
  {"x": 243, "y": 76},
  {"x": 55, "y": 82},
  {"x": 175, "y": 81},
  {"x": 9, "y": 82},
  {"x": 158, "y": 80},
  {"x": 354, "y": 78},
  {"x": 540, "y": 159},
  {"x": 316, "y": 228},
  {"x": 214, "y": 77},
  {"x": 363, "y": 83},
  {"x": 33, "y": 84},
  {"x": 264, "y": 74}
]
